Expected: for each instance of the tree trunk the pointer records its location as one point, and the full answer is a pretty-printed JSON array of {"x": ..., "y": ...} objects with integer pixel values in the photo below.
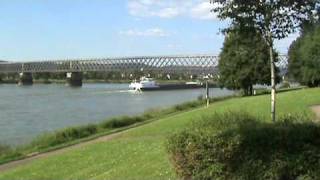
[
  {"x": 273, "y": 81},
  {"x": 246, "y": 91}
]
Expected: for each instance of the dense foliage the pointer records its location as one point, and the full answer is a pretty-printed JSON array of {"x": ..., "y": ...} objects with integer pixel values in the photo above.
[
  {"x": 304, "y": 57},
  {"x": 46, "y": 75},
  {"x": 244, "y": 61},
  {"x": 238, "y": 146},
  {"x": 274, "y": 19},
  {"x": 100, "y": 76}
]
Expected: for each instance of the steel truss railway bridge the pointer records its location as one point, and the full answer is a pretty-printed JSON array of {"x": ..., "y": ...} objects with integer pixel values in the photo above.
[{"x": 184, "y": 64}]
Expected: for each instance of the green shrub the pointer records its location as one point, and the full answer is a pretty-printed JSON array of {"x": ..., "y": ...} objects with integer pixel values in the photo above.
[
  {"x": 262, "y": 91},
  {"x": 123, "y": 121},
  {"x": 285, "y": 85},
  {"x": 8, "y": 153},
  {"x": 75, "y": 133},
  {"x": 63, "y": 136},
  {"x": 156, "y": 112},
  {"x": 239, "y": 146},
  {"x": 4, "y": 149},
  {"x": 188, "y": 105}
]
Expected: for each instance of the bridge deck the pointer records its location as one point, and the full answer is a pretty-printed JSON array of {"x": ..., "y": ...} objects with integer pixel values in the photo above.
[{"x": 196, "y": 64}]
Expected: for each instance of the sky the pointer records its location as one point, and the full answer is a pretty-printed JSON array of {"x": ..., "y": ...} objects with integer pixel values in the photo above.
[{"x": 62, "y": 29}]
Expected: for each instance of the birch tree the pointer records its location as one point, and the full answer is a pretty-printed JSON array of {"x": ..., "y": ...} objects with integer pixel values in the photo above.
[{"x": 274, "y": 19}]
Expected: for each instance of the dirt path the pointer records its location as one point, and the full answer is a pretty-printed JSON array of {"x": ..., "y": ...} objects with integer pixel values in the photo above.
[
  {"x": 27, "y": 160},
  {"x": 316, "y": 110}
]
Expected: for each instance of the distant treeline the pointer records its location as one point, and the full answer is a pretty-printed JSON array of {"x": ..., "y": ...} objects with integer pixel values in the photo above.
[{"x": 101, "y": 76}]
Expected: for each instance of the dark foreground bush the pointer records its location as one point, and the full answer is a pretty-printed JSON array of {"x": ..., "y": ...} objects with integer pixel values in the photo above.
[{"x": 238, "y": 146}]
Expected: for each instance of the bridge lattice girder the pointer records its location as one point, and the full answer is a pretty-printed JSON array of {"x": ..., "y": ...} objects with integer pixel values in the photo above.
[{"x": 197, "y": 64}]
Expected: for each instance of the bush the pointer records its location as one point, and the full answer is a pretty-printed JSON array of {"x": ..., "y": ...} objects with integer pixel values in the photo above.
[
  {"x": 285, "y": 85},
  {"x": 64, "y": 136},
  {"x": 7, "y": 153},
  {"x": 155, "y": 112},
  {"x": 75, "y": 133},
  {"x": 123, "y": 121},
  {"x": 188, "y": 105},
  {"x": 239, "y": 146},
  {"x": 4, "y": 149},
  {"x": 222, "y": 98}
]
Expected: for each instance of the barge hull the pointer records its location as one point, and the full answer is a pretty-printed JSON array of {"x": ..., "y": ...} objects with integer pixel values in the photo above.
[{"x": 164, "y": 87}]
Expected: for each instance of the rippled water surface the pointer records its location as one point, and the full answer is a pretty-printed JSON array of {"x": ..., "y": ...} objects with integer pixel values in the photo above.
[{"x": 26, "y": 112}]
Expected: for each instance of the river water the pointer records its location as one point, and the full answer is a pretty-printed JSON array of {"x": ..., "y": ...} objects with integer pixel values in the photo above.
[{"x": 28, "y": 111}]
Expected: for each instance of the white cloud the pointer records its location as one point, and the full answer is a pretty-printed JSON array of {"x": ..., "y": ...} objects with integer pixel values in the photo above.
[
  {"x": 198, "y": 9},
  {"x": 203, "y": 11},
  {"x": 153, "y": 32},
  {"x": 153, "y": 8},
  {"x": 168, "y": 12}
]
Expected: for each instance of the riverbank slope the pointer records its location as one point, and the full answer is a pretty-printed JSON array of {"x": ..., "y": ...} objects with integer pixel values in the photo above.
[{"x": 140, "y": 153}]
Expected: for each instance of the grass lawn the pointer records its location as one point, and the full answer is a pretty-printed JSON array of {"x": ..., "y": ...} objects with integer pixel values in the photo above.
[{"x": 140, "y": 152}]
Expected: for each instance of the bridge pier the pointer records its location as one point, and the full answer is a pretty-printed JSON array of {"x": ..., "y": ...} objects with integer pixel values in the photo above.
[
  {"x": 74, "y": 79},
  {"x": 25, "y": 79}
]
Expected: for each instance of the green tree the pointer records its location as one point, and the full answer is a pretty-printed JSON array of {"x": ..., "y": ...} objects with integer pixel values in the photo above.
[
  {"x": 58, "y": 75},
  {"x": 274, "y": 19},
  {"x": 244, "y": 61},
  {"x": 1, "y": 76},
  {"x": 41, "y": 75},
  {"x": 304, "y": 57}
]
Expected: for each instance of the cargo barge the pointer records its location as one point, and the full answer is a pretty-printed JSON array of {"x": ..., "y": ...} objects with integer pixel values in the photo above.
[{"x": 148, "y": 84}]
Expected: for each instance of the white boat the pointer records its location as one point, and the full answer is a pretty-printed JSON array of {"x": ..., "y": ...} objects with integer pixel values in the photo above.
[
  {"x": 194, "y": 83},
  {"x": 144, "y": 84}
]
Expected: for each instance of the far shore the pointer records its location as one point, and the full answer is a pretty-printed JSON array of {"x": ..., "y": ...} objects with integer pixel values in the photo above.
[{"x": 89, "y": 81}]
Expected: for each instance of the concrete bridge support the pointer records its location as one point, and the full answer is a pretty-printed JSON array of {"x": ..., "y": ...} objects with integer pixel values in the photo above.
[
  {"x": 25, "y": 79},
  {"x": 74, "y": 79}
]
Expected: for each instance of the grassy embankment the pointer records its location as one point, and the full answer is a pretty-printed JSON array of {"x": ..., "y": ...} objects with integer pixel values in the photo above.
[{"x": 140, "y": 153}]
